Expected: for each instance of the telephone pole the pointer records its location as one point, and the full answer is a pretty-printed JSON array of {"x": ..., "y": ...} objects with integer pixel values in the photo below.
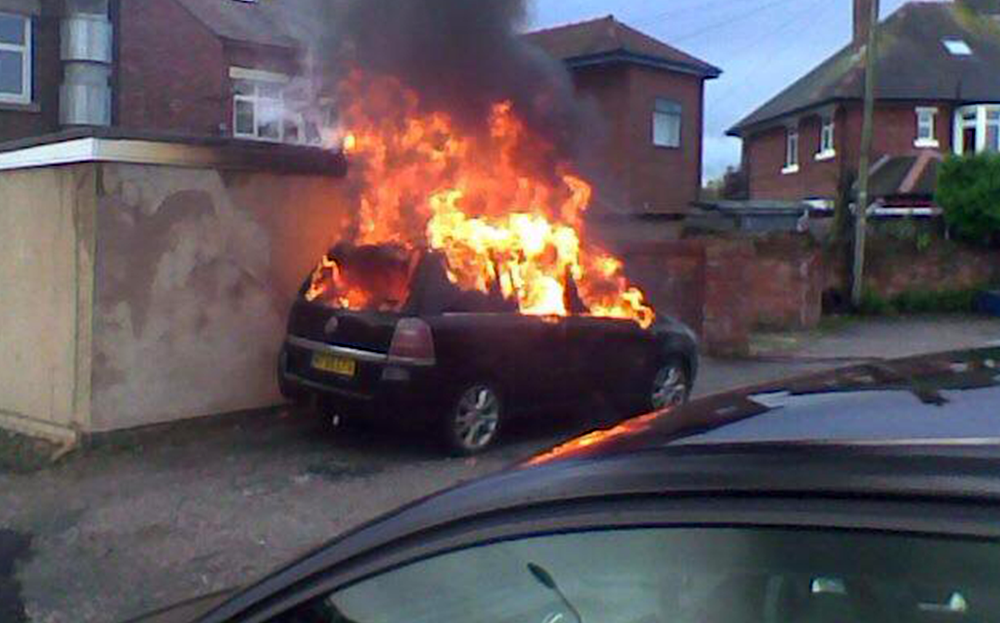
[{"x": 864, "y": 166}]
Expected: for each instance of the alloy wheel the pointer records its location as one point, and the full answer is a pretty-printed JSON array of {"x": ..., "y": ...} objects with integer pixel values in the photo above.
[
  {"x": 670, "y": 387},
  {"x": 476, "y": 419}
]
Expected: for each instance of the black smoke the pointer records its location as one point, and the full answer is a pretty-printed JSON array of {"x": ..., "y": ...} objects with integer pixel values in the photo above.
[{"x": 462, "y": 57}]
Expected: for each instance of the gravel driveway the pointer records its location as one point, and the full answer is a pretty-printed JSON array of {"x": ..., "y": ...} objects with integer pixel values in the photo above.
[{"x": 162, "y": 516}]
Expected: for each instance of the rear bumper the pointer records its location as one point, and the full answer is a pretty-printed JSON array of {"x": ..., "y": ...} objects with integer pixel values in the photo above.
[{"x": 383, "y": 389}]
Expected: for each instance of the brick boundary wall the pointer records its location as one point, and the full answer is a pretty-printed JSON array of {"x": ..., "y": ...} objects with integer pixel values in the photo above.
[{"x": 700, "y": 282}]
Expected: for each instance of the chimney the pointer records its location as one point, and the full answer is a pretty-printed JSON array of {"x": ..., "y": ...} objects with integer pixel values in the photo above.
[{"x": 862, "y": 21}]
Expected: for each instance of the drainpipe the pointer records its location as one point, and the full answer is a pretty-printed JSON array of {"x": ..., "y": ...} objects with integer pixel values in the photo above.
[{"x": 87, "y": 43}]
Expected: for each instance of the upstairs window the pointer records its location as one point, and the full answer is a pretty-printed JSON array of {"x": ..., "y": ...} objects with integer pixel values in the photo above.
[
  {"x": 261, "y": 108},
  {"x": 926, "y": 135},
  {"x": 826, "y": 142},
  {"x": 977, "y": 129},
  {"x": 992, "y": 130},
  {"x": 791, "y": 151},
  {"x": 15, "y": 59},
  {"x": 667, "y": 116}
]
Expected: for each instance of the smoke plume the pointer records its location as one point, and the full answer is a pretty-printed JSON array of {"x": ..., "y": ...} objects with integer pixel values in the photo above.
[{"x": 462, "y": 57}]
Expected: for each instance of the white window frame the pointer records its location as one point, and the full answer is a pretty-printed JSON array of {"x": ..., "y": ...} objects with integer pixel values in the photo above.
[
  {"x": 979, "y": 121},
  {"x": 675, "y": 114},
  {"x": 926, "y": 120},
  {"x": 827, "y": 136},
  {"x": 791, "y": 151},
  {"x": 257, "y": 78},
  {"x": 27, "y": 53}
]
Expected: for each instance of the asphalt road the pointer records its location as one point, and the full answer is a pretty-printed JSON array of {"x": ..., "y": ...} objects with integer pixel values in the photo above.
[{"x": 162, "y": 516}]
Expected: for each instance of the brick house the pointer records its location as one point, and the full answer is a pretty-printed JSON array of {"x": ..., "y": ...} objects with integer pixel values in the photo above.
[
  {"x": 226, "y": 68},
  {"x": 938, "y": 92},
  {"x": 653, "y": 96},
  {"x": 222, "y": 68}
]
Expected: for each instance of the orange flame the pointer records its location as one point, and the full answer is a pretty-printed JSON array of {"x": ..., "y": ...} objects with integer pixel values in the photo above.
[{"x": 480, "y": 201}]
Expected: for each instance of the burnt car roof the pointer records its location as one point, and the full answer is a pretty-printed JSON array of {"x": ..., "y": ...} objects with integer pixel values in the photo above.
[{"x": 685, "y": 453}]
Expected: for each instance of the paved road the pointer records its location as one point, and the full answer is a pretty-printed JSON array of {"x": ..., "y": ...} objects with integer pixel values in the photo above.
[{"x": 166, "y": 516}]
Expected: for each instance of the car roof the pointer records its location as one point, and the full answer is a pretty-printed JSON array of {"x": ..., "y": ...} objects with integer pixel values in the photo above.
[
  {"x": 947, "y": 399},
  {"x": 689, "y": 452}
]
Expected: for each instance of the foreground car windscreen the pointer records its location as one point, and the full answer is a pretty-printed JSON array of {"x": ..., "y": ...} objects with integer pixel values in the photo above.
[{"x": 684, "y": 576}]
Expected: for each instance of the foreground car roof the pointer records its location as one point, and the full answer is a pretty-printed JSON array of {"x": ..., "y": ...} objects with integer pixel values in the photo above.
[
  {"x": 947, "y": 399},
  {"x": 688, "y": 452}
]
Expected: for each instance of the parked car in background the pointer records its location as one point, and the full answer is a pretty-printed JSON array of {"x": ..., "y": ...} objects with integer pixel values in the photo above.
[
  {"x": 865, "y": 494},
  {"x": 419, "y": 352}
]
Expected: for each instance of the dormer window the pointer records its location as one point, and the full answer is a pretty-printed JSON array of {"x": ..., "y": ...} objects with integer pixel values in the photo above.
[{"x": 957, "y": 47}]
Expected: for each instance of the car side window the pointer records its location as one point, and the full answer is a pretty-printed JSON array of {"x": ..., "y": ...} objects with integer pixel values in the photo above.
[{"x": 686, "y": 575}]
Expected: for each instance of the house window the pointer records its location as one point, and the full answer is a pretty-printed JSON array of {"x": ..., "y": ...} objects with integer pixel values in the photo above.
[
  {"x": 957, "y": 47},
  {"x": 667, "y": 123},
  {"x": 926, "y": 136},
  {"x": 977, "y": 129},
  {"x": 826, "y": 143},
  {"x": 15, "y": 59},
  {"x": 791, "y": 152},
  {"x": 992, "y": 130},
  {"x": 262, "y": 108}
]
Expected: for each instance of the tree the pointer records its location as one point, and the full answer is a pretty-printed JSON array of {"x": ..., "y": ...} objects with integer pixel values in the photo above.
[
  {"x": 735, "y": 184},
  {"x": 969, "y": 192}
]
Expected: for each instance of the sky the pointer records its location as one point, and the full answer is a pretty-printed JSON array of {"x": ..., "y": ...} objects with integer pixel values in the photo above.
[{"x": 761, "y": 46}]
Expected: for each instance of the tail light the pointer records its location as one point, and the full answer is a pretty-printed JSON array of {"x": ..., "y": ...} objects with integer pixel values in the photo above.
[{"x": 412, "y": 343}]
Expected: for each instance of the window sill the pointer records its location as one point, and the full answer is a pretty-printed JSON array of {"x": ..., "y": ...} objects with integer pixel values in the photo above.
[
  {"x": 829, "y": 154},
  {"x": 790, "y": 170},
  {"x": 32, "y": 107},
  {"x": 925, "y": 144}
]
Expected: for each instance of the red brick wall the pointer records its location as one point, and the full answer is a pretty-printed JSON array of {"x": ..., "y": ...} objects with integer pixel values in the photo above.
[
  {"x": 895, "y": 133},
  {"x": 785, "y": 285},
  {"x": 42, "y": 116},
  {"x": 892, "y": 268},
  {"x": 701, "y": 282},
  {"x": 607, "y": 87},
  {"x": 651, "y": 179},
  {"x": 173, "y": 75}
]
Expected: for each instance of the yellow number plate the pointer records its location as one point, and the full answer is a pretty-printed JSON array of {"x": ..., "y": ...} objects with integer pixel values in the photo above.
[{"x": 334, "y": 365}]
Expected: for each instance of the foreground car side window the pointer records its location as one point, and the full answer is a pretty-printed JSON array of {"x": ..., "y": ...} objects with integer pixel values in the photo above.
[{"x": 683, "y": 576}]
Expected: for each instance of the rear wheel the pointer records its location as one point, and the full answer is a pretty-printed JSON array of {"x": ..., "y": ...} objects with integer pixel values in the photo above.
[
  {"x": 670, "y": 387},
  {"x": 473, "y": 423}
]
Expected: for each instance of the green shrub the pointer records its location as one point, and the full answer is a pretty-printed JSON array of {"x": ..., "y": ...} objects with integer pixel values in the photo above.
[
  {"x": 873, "y": 304},
  {"x": 920, "y": 302},
  {"x": 969, "y": 191}
]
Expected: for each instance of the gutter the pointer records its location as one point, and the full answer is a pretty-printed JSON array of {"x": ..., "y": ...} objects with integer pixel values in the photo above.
[{"x": 625, "y": 56}]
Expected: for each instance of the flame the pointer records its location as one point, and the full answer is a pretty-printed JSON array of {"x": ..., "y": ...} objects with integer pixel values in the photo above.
[{"x": 479, "y": 199}]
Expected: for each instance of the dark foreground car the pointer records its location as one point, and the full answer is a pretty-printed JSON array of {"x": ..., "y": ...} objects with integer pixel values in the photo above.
[
  {"x": 871, "y": 494},
  {"x": 421, "y": 353}
]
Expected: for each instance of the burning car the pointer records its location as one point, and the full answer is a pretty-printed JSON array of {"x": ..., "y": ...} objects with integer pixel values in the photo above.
[{"x": 385, "y": 330}]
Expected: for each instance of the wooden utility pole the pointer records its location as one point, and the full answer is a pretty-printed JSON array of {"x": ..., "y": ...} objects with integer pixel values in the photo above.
[{"x": 864, "y": 166}]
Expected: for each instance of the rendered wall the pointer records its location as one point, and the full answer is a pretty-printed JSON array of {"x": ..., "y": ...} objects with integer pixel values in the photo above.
[
  {"x": 46, "y": 260},
  {"x": 195, "y": 273}
]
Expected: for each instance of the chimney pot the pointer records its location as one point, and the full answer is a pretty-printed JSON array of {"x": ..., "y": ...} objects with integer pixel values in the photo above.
[{"x": 862, "y": 21}]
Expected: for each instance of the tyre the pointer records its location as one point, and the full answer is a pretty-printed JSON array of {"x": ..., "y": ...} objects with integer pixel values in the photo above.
[
  {"x": 670, "y": 386},
  {"x": 474, "y": 420}
]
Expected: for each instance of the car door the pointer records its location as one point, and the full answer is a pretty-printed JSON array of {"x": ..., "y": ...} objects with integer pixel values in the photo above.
[
  {"x": 609, "y": 358},
  {"x": 687, "y": 561},
  {"x": 525, "y": 354}
]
